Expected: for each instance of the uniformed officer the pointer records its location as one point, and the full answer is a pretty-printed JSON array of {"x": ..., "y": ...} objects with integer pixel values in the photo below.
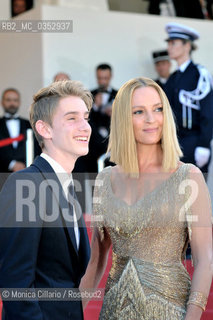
[
  {"x": 190, "y": 92},
  {"x": 162, "y": 66}
]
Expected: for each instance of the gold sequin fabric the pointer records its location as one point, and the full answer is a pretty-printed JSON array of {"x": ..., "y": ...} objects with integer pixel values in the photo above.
[{"x": 147, "y": 279}]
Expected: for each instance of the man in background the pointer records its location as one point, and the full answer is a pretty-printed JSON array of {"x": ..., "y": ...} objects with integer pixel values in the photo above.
[
  {"x": 100, "y": 116},
  {"x": 162, "y": 66},
  {"x": 104, "y": 94},
  {"x": 12, "y": 133}
]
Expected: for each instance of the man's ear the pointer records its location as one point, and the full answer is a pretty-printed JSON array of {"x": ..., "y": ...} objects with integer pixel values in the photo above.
[{"x": 43, "y": 129}]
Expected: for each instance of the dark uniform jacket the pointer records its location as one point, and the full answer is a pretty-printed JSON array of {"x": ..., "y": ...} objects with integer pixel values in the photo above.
[{"x": 194, "y": 124}]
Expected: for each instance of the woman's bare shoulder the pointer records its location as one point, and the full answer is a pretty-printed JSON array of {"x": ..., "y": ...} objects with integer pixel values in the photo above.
[{"x": 191, "y": 167}]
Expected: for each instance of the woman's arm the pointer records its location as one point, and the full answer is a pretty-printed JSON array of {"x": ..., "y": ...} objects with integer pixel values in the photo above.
[
  {"x": 98, "y": 261},
  {"x": 201, "y": 245}
]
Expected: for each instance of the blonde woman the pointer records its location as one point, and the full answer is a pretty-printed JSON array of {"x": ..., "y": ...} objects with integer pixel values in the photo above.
[{"x": 148, "y": 207}]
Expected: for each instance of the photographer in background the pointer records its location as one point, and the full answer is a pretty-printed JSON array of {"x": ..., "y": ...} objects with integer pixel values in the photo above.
[
  {"x": 100, "y": 116},
  {"x": 104, "y": 94}
]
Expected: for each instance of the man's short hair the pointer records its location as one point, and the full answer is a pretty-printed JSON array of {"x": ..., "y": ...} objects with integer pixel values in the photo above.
[
  {"x": 104, "y": 66},
  {"x": 46, "y": 100},
  {"x": 10, "y": 89}
]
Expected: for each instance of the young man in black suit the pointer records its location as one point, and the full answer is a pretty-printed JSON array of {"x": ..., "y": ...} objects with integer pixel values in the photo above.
[{"x": 43, "y": 239}]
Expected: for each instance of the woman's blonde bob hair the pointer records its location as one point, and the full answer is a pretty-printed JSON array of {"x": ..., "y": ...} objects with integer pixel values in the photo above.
[{"x": 122, "y": 145}]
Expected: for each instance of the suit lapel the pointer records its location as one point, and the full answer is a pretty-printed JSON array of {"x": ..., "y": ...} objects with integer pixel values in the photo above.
[
  {"x": 4, "y": 130},
  {"x": 5, "y": 133},
  {"x": 84, "y": 248},
  {"x": 48, "y": 173},
  {"x": 22, "y": 126},
  {"x": 110, "y": 97}
]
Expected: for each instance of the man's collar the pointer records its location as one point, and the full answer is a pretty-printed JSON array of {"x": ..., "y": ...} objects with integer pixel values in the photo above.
[
  {"x": 107, "y": 90},
  {"x": 163, "y": 80},
  {"x": 8, "y": 115},
  {"x": 64, "y": 177},
  {"x": 56, "y": 166}
]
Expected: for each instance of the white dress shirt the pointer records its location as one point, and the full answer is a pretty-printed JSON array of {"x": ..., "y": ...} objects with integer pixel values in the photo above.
[
  {"x": 163, "y": 80},
  {"x": 13, "y": 127},
  {"x": 105, "y": 96},
  {"x": 65, "y": 180}
]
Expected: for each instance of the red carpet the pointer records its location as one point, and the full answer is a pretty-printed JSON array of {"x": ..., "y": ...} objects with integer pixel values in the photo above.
[{"x": 93, "y": 308}]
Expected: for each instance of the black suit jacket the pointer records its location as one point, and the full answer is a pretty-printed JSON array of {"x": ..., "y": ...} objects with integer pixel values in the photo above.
[
  {"x": 99, "y": 120},
  {"x": 35, "y": 253},
  {"x": 9, "y": 153},
  {"x": 188, "y": 9}
]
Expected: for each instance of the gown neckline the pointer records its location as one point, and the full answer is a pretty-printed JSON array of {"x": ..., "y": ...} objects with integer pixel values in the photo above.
[{"x": 158, "y": 187}]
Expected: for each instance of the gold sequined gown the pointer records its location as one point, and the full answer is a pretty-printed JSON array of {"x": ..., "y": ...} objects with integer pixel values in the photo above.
[{"x": 147, "y": 280}]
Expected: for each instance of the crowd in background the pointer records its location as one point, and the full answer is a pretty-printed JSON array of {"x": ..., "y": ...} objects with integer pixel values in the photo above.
[
  {"x": 198, "y": 9},
  {"x": 189, "y": 90}
]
